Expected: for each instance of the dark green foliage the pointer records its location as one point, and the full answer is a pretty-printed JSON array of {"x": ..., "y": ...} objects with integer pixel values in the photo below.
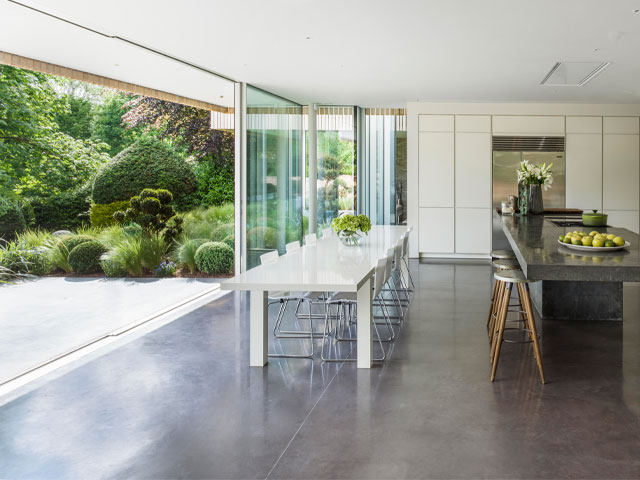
[
  {"x": 214, "y": 258},
  {"x": 85, "y": 258},
  {"x": 148, "y": 163},
  {"x": 215, "y": 183},
  {"x": 152, "y": 210},
  {"x": 12, "y": 219},
  {"x": 102, "y": 214},
  {"x": 64, "y": 211},
  {"x": 76, "y": 120},
  {"x": 73, "y": 241},
  {"x": 262, "y": 237}
]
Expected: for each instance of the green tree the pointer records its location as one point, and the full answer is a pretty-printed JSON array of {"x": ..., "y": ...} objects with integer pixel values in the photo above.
[
  {"x": 108, "y": 124},
  {"x": 77, "y": 119},
  {"x": 35, "y": 157}
]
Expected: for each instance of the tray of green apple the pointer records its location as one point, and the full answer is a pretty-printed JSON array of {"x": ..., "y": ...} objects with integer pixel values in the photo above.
[{"x": 593, "y": 241}]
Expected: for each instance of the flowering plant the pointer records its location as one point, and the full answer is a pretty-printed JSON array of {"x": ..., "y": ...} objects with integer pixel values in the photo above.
[
  {"x": 529, "y": 174},
  {"x": 350, "y": 227},
  {"x": 165, "y": 269}
]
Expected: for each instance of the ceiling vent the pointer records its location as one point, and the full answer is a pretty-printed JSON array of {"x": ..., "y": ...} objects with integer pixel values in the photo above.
[{"x": 573, "y": 74}]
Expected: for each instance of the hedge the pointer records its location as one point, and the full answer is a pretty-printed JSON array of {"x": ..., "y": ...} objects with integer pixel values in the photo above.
[
  {"x": 12, "y": 218},
  {"x": 262, "y": 237},
  {"x": 65, "y": 211},
  {"x": 101, "y": 214},
  {"x": 148, "y": 163},
  {"x": 214, "y": 258}
]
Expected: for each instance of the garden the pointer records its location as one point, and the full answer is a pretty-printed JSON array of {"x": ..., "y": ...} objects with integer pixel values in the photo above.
[{"x": 95, "y": 181}]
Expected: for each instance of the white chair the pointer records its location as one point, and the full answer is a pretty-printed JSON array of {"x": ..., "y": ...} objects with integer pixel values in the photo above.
[
  {"x": 347, "y": 301},
  {"x": 283, "y": 298},
  {"x": 327, "y": 233},
  {"x": 293, "y": 247},
  {"x": 311, "y": 239},
  {"x": 405, "y": 259}
]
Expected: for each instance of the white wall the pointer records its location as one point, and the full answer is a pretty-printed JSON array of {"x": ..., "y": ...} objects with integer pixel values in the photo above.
[{"x": 603, "y": 157}]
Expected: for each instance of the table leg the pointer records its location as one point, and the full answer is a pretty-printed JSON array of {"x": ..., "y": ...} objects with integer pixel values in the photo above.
[
  {"x": 258, "y": 326},
  {"x": 365, "y": 341}
]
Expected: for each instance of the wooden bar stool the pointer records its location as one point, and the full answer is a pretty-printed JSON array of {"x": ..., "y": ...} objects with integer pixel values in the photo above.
[
  {"x": 508, "y": 278},
  {"x": 503, "y": 254},
  {"x": 499, "y": 265}
]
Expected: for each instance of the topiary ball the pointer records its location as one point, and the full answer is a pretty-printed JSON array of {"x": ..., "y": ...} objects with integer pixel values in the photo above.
[
  {"x": 150, "y": 205},
  {"x": 214, "y": 258},
  {"x": 73, "y": 241},
  {"x": 85, "y": 258}
]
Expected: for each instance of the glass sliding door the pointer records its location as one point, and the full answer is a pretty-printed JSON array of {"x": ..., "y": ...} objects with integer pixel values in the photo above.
[
  {"x": 273, "y": 178},
  {"x": 382, "y": 167},
  {"x": 336, "y": 163}
]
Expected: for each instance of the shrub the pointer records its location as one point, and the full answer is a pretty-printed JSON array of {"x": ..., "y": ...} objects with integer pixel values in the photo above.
[
  {"x": 262, "y": 237},
  {"x": 216, "y": 183},
  {"x": 152, "y": 210},
  {"x": 21, "y": 261},
  {"x": 66, "y": 210},
  {"x": 185, "y": 254},
  {"x": 153, "y": 249},
  {"x": 59, "y": 249},
  {"x": 101, "y": 214},
  {"x": 12, "y": 220},
  {"x": 85, "y": 258},
  {"x": 148, "y": 163},
  {"x": 214, "y": 258},
  {"x": 219, "y": 233},
  {"x": 124, "y": 256},
  {"x": 111, "y": 269},
  {"x": 33, "y": 238},
  {"x": 230, "y": 240}
]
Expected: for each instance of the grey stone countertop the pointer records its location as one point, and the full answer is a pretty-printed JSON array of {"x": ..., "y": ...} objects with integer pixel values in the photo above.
[{"x": 534, "y": 240}]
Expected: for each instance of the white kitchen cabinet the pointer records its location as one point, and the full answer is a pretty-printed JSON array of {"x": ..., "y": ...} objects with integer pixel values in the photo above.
[
  {"x": 624, "y": 219},
  {"x": 584, "y": 125},
  {"x": 620, "y": 172},
  {"x": 436, "y": 234},
  {"x": 473, "y": 123},
  {"x": 546, "y": 125},
  {"x": 473, "y": 170},
  {"x": 436, "y": 123},
  {"x": 621, "y": 125},
  {"x": 436, "y": 169},
  {"x": 473, "y": 230},
  {"x": 584, "y": 171}
]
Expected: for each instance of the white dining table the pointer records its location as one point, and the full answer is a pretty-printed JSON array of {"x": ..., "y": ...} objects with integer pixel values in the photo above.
[{"x": 327, "y": 266}]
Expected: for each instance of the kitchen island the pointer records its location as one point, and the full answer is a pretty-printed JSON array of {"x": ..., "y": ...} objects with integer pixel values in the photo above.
[{"x": 570, "y": 284}]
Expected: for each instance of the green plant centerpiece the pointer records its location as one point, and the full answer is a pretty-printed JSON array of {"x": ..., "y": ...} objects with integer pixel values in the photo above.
[{"x": 351, "y": 228}]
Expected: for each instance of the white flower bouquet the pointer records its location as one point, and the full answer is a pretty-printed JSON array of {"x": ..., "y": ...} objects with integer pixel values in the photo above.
[{"x": 529, "y": 174}]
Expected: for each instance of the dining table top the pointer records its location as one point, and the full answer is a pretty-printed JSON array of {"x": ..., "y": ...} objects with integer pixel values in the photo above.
[{"x": 329, "y": 265}]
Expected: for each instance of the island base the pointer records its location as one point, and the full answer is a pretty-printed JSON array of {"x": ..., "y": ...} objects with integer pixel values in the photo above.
[{"x": 582, "y": 301}]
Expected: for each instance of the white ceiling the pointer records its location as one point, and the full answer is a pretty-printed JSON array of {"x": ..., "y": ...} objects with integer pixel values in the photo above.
[{"x": 363, "y": 52}]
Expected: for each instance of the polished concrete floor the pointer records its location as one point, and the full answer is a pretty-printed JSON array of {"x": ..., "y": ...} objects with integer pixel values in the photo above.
[
  {"x": 181, "y": 402},
  {"x": 44, "y": 318}
]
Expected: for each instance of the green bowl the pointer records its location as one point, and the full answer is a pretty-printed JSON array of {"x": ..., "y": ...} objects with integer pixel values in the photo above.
[{"x": 594, "y": 219}]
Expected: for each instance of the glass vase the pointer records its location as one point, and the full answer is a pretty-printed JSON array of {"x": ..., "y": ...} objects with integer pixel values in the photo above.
[
  {"x": 523, "y": 198},
  {"x": 536, "y": 207},
  {"x": 349, "y": 239}
]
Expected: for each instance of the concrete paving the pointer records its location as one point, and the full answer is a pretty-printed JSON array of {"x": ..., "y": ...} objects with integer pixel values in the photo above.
[{"x": 42, "y": 319}]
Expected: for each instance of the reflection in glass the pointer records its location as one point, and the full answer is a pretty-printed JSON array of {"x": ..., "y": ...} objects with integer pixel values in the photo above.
[{"x": 274, "y": 199}]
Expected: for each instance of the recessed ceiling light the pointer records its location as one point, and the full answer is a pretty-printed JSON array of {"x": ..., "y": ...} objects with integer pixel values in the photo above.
[
  {"x": 596, "y": 49},
  {"x": 637, "y": 10},
  {"x": 116, "y": 64},
  {"x": 221, "y": 96},
  {"x": 573, "y": 74},
  {"x": 307, "y": 38}
]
